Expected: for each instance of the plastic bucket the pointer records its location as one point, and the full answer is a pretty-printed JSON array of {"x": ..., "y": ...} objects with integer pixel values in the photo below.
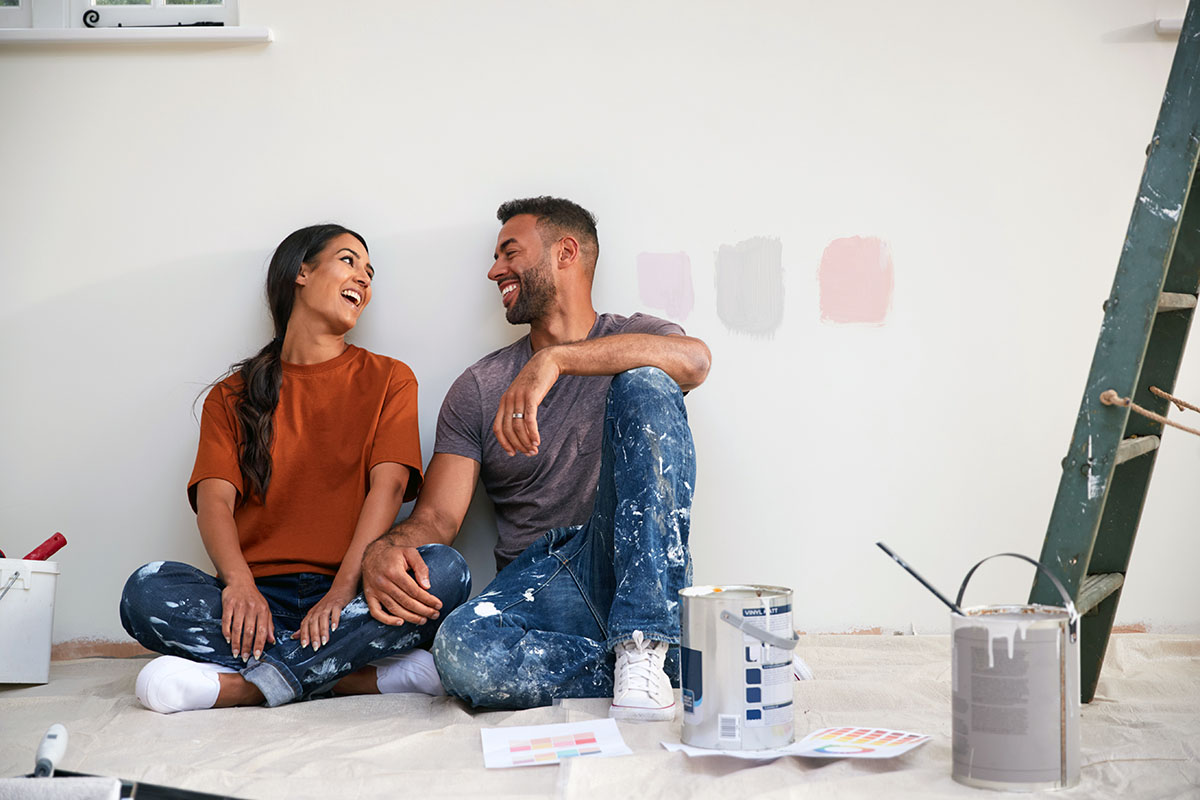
[
  {"x": 26, "y": 619},
  {"x": 1015, "y": 698},
  {"x": 736, "y": 648}
]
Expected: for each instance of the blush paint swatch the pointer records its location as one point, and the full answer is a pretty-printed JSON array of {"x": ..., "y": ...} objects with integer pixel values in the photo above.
[
  {"x": 665, "y": 281},
  {"x": 856, "y": 278},
  {"x": 749, "y": 282}
]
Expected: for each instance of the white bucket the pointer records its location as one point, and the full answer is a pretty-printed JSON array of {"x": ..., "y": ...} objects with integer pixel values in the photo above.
[
  {"x": 1015, "y": 699},
  {"x": 736, "y": 648},
  {"x": 26, "y": 619}
]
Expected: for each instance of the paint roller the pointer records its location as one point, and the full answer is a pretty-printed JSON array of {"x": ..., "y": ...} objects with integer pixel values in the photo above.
[
  {"x": 52, "y": 748},
  {"x": 45, "y": 549}
]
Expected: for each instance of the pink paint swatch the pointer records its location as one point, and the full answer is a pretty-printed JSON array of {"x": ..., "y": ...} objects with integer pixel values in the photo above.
[
  {"x": 856, "y": 278},
  {"x": 665, "y": 281}
]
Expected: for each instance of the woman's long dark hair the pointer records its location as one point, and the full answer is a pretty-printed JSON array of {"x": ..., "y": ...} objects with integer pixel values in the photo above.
[{"x": 262, "y": 373}]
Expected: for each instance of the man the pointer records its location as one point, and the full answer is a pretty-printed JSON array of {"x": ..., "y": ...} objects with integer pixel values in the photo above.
[{"x": 591, "y": 476}]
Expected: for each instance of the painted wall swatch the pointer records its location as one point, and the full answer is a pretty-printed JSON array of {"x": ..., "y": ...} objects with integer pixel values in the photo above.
[
  {"x": 856, "y": 278},
  {"x": 749, "y": 281},
  {"x": 665, "y": 281}
]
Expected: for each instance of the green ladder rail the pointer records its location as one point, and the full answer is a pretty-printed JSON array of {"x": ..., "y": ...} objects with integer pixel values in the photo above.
[{"x": 1107, "y": 470}]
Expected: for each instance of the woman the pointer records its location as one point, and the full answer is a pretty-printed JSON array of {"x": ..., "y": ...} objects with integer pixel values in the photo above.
[{"x": 307, "y": 450}]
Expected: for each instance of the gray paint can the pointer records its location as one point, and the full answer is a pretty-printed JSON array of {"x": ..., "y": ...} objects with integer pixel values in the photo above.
[
  {"x": 1015, "y": 693},
  {"x": 736, "y": 648}
]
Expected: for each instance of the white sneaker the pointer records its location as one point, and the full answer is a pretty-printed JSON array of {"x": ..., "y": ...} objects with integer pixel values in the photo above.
[
  {"x": 408, "y": 672},
  {"x": 641, "y": 689},
  {"x": 170, "y": 683}
]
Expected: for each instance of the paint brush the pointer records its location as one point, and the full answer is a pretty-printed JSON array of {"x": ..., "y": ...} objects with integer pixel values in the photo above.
[{"x": 924, "y": 582}]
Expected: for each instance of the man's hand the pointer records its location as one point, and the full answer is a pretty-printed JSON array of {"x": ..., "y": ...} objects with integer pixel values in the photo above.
[
  {"x": 393, "y": 595},
  {"x": 522, "y": 397},
  {"x": 246, "y": 619}
]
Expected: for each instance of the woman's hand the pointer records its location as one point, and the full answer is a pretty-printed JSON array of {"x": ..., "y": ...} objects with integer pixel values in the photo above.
[
  {"x": 246, "y": 619},
  {"x": 322, "y": 619}
]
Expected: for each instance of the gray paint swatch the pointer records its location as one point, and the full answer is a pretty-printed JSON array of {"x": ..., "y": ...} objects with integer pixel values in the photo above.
[{"x": 749, "y": 282}]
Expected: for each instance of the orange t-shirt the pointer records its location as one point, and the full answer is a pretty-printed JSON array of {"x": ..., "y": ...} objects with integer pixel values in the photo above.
[{"x": 334, "y": 422}]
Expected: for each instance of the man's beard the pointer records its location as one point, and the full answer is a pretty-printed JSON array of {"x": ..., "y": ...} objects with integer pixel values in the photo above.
[{"x": 535, "y": 295}]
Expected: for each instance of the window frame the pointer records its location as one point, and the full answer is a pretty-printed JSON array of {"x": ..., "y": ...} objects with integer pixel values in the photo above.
[
  {"x": 156, "y": 13},
  {"x": 18, "y": 16},
  {"x": 68, "y": 14}
]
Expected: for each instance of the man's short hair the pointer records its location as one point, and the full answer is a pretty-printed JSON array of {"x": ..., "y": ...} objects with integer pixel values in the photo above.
[{"x": 556, "y": 217}]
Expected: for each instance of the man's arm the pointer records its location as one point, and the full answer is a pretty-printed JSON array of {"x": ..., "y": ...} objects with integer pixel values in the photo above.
[
  {"x": 685, "y": 359},
  {"x": 393, "y": 595}
]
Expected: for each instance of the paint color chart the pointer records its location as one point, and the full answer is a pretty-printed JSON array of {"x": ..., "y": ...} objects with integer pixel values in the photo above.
[
  {"x": 860, "y": 742},
  {"x": 845, "y": 742},
  {"x": 538, "y": 745}
]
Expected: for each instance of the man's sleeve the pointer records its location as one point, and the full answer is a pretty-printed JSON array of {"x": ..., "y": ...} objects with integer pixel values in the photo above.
[
  {"x": 217, "y": 455},
  {"x": 460, "y": 422},
  {"x": 398, "y": 434},
  {"x": 645, "y": 323}
]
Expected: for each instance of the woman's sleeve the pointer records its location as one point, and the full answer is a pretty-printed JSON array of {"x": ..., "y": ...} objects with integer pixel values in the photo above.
[
  {"x": 217, "y": 456},
  {"x": 398, "y": 435}
]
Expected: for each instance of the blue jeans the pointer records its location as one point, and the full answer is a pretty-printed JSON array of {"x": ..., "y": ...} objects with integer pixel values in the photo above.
[
  {"x": 175, "y": 609},
  {"x": 546, "y": 626}
]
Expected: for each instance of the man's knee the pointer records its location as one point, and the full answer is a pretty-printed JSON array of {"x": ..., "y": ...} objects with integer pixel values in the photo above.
[
  {"x": 645, "y": 380},
  {"x": 457, "y": 655},
  {"x": 449, "y": 575}
]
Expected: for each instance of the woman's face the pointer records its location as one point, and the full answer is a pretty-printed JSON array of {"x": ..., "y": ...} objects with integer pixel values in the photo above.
[{"x": 336, "y": 284}]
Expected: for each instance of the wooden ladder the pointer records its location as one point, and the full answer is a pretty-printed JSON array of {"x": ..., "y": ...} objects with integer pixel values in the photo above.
[{"x": 1146, "y": 319}]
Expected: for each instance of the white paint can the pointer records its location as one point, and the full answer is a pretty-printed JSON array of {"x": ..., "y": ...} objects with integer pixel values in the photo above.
[
  {"x": 1015, "y": 698},
  {"x": 736, "y": 648}
]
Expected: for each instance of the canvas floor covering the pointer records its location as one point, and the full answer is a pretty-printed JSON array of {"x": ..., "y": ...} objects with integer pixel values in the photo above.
[{"x": 1140, "y": 737}]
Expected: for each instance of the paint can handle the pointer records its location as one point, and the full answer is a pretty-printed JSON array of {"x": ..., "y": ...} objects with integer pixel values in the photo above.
[
  {"x": 758, "y": 633},
  {"x": 1068, "y": 605}
]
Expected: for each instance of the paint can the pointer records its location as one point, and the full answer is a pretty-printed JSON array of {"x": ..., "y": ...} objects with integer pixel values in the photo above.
[
  {"x": 1015, "y": 699},
  {"x": 736, "y": 652}
]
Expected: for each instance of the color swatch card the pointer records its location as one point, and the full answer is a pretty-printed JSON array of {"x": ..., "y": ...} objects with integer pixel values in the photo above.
[
  {"x": 859, "y": 743},
  {"x": 846, "y": 742},
  {"x": 534, "y": 745}
]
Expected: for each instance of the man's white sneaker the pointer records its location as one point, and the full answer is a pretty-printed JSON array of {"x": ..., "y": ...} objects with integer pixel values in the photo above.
[
  {"x": 169, "y": 684},
  {"x": 641, "y": 689}
]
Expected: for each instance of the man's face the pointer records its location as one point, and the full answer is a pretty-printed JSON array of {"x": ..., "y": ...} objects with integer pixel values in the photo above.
[{"x": 523, "y": 271}]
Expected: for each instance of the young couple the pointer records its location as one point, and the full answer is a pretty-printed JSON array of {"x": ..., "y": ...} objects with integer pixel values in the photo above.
[{"x": 308, "y": 449}]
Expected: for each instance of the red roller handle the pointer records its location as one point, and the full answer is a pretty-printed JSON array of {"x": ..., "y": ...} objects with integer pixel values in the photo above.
[{"x": 47, "y": 548}]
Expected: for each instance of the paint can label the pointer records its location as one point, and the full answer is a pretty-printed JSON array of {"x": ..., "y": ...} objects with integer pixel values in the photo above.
[
  {"x": 767, "y": 674},
  {"x": 1015, "y": 699}
]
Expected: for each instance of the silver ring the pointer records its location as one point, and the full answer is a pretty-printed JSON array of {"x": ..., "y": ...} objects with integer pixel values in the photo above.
[{"x": 518, "y": 415}]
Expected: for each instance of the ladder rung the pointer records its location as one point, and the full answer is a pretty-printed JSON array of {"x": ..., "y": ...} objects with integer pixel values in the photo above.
[
  {"x": 1174, "y": 301},
  {"x": 1134, "y": 447},
  {"x": 1095, "y": 588}
]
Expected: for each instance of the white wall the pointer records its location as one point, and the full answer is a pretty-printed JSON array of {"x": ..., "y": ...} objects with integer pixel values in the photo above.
[{"x": 997, "y": 149}]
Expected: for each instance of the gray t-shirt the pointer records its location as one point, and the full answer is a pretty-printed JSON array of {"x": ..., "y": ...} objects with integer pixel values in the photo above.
[{"x": 557, "y": 487}]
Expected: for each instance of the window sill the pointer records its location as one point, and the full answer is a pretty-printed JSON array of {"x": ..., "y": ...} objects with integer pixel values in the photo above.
[{"x": 170, "y": 35}]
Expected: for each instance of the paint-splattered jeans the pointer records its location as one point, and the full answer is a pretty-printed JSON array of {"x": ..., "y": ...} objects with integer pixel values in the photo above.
[
  {"x": 175, "y": 609},
  {"x": 545, "y": 627}
]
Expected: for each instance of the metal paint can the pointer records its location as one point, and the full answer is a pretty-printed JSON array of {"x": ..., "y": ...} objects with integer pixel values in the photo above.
[
  {"x": 736, "y": 648},
  {"x": 1015, "y": 693}
]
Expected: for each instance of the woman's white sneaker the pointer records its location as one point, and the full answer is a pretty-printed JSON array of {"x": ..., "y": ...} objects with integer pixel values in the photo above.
[
  {"x": 641, "y": 689},
  {"x": 169, "y": 684}
]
